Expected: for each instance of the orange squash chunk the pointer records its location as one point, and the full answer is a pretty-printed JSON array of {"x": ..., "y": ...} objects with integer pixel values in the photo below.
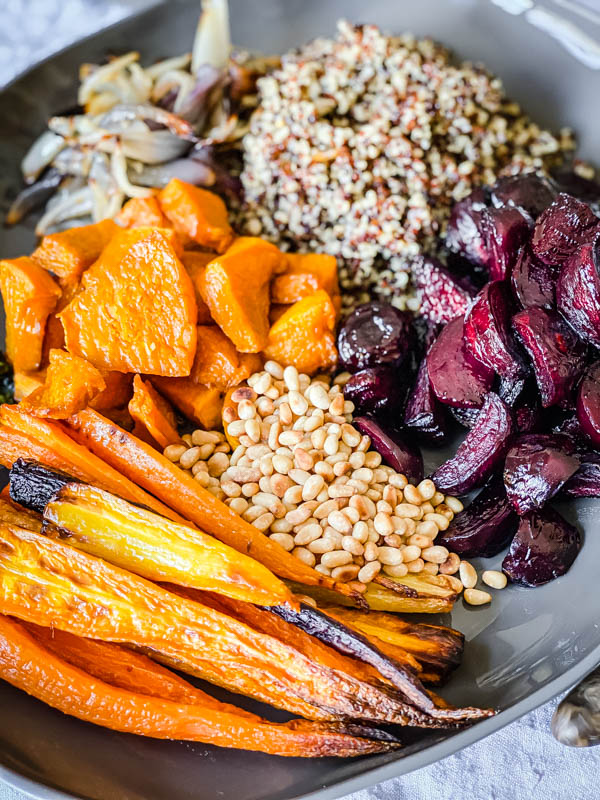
[
  {"x": 117, "y": 392},
  {"x": 196, "y": 213},
  {"x": 136, "y": 311},
  {"x": 69, "y": 253},
  {"x": 30, "y": 294},
  {"x": 153, "y": 413},
  {"x": 218, "y": 363},
  {"x": 305, "y": 273},
  {"x": 195, "y": 262},
  {"x": 303, "y": 336},
  {"x": 140, "y": 211},
  {"x": 27, "y": 382},
  {"x": 235, "y": 286},
  {"x": 71, "y": 382},
  {"x": 199, "y": 403}
]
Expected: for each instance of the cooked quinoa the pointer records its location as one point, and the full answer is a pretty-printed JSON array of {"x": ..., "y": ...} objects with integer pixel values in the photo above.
[{"x": 361, "y": 143}]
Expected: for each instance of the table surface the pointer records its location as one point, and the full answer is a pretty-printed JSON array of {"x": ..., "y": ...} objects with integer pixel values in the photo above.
[{"x": 522, "y": 760}]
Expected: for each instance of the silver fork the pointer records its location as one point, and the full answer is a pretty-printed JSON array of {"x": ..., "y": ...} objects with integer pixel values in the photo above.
[{"x": 576, "y": 721}]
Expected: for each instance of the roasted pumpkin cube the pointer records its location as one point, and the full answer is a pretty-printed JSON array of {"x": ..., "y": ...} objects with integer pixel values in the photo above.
[
  {"x": 69, "y": 253},
  {"x": 218, "y": 363},
  {"x": 235, "y": 286},
  {"x": 153, "y": 413},
  {"x": 195, "y": 262},
  {"x": 142, "y": 211},
  {"x": 198, "y": 403},
  {"x": 196, "y": 213},
  {"x": 30, "y": 294}
]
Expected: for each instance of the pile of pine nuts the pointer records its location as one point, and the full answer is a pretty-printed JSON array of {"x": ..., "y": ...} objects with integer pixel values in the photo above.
[{"x": 302, "y": 474}]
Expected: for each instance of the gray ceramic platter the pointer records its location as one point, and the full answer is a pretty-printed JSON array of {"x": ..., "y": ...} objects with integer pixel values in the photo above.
[{"x": 524, "y": 649}]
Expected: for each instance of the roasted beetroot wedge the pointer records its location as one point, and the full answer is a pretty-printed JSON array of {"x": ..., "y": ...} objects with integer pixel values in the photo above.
[
  {"x": 375, "y": 334},
  {"x": 393, "y": 449},
  {"x": 456, "y": 377},
  {"x": 586, "y": 481},
  {"x": 480, "y": 453},
  {"x": 556, "y": 353},
  {"x": 440, "y": 294},
  {"x": 584, "y": 189},
  {"x": 588, "y": 403},
  {"x": 578, "y": 291},
  {"x": 424, "y": 416},
  {"x": 529, "y": 192},
  {"x": 464, "y": 234},
  {"x": 376, "y": 391},
  {"x": 561, "y": 228},
  {"x": 487, "y": 332},
  {"x": 543, "y": 548},
  {"x": 533, "y": 282},
  {"x": 465, "y": 416},
  {"x": 536, "y": 467},
  {"x": 485, "y": 527},
  {"x": 506, "y": 229}
]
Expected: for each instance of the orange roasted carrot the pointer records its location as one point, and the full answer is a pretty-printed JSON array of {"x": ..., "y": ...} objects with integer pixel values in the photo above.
[
  {"x": 153, "y": 412},
  {"x": 25, "y": 436},
  {"x": 31, "y": 667},
  {"x": 151, "y": 470}
]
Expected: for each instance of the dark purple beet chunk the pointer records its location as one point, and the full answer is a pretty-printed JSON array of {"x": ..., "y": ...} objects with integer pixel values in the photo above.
[
  {"x": 488, "y": 334},
  {"x": 521, "y": 396},
  {"x": 578, "y": 291},
  {"x": 561, "y": 228},
  {"x": 588, "y": 403},
  {"x": 588, "y": 191},
  {"x": 424, "y": 415},
  {"x": 480, "y": 453},
  {"x": 536, "y": 467},
  {"x": 373, "y": 335},
  {"x": 375, "y": 391},
  {"x": 441, "y": 297},
  {"x": 557, "y": 354},
  {"x": 465, "y": 416},
  {"x": 543, "y": 548},
  {"x": 456, "y": 377},
  {"x": 533, "y": 282},
  {"x": 394, "y": 450},
  {"x": 485, "y": 527},
  {"x": 464, "y": 234},
  {"x": 586, "y": 481},
  {"x": 529, "y": 192},
  {"x": 506, "y": 229}
]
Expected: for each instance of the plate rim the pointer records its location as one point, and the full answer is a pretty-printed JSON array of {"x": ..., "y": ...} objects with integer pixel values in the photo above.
[{"x": 38, "y": 790}]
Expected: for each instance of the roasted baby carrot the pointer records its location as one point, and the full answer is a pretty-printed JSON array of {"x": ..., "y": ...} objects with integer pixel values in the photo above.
[
  {"x": 157, "y": 548},
  {"x": 28, "y": 665},
  {"x": 151, "y": 470}
]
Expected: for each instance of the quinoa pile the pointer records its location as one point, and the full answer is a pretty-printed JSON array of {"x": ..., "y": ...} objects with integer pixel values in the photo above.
[{"x": 361, "y": 143}]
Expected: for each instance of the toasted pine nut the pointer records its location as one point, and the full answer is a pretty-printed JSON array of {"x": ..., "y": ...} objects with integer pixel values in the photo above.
[
  {"x": 430, "y": 568},
  {"x": 437, "y": 498},
  {"x": 337, "y": 558},
  {"x": 454, "y": 504},
  {"x": 174, "y": 451},
  {"x": 369, "y": 572},
  {"x": 440, "y": 520},
  {"x": 360, "y": 531},
  {"x": 263, "y": 521},
  {"x": 312, "y": 487},
  {"x": 412, "y": 495},
  {"x": 420, "y": 541},
  {"x": 393, "y": 540},
  {"x": 339, "y": 522},
  {"x": 410, "y": 553},
  {"x": 477, "y": 597},
  {"x": 468, "y": 575},
  {"x": 323, "y": 569},
  {"x": 370, "y": 552},
  {"x": 304, "y": 555},
  {"x": 436, "y": 554},
  {"x": 395, "y": 570},
  {"x": 352, "y": 545},
  {"x": 416, "y": 566},
  {"x": 494, "y": 578},
  {"x": 450, "y": 565},
  {"x": 284, "y": 539},
  {"x": 293, "y": 495},
  {"x": 429, "y": 529},
  {"x": 398, "y": 481},
  {"x": 372, "y": 459},
  {"x": 346, "y": 572},
  {"x": 426, "y": 489},
  {"x": 390, "y": 556}
]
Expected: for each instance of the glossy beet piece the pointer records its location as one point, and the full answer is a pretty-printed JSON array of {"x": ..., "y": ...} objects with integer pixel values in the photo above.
[
  {"x": 556, "y": 353},
  {"x": 464, "y": 234},
  {"x": 487, "y": 332},
  {"x": 533, "y": 282},
  {"x": 457, "y": 378},
  {"x": 527, "y": 415},
  {"x": 375, "y": 391},
  {"x": 543, "y": 548},
  {"x": 578, "y": 291},
  {"x": 561, "y": 228},
  {"x": 375, "y": 334},
  {"x": 506, "y": 229},
  {"x": 536, "y": 467},
  {"x": 480, "y": 453},
  {"x": 485, "y": 527},
  {"x": 588, "y": 404},
  {"x": 424, "y": 415},
  {"x": 393, "y": 449},
  {"x": 588, "y": 191},
  {"x": 465, "y": 416},
  {"x": 586, "y": 481},
  {"x": 441, "y": 297},
  {"x": 530, "y": 192}
]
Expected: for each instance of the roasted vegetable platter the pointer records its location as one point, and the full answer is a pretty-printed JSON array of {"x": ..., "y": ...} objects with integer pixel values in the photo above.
[{"x": 520, "y": 651}]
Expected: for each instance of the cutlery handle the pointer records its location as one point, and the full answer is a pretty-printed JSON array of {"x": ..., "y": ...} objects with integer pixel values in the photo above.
[{"x": 576, "y": 721}]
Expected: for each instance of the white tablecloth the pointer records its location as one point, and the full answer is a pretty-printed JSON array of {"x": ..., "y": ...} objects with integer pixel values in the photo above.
[{"x": 520, "y": 762}]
